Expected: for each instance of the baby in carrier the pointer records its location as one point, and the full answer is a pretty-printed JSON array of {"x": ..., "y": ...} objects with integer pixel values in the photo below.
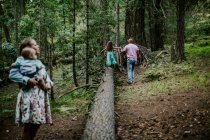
[{"x": 31, "y": 67}]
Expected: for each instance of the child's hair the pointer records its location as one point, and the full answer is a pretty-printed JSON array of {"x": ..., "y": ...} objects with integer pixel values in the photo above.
[
  {"x": 29, "y": 53},
  {"x": 27, "y": 42},
  {"x": 109, "y": 46}
]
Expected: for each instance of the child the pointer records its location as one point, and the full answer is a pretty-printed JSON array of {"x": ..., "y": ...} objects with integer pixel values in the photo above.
[
  {"x": 29, "y": 66},
  {"x": 110, "y": 58}
]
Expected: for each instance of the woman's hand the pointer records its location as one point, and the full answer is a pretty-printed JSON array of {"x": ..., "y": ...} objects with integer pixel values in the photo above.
[{"x": 32, "y": 82}]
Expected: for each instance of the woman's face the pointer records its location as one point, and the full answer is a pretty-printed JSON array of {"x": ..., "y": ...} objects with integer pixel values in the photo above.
[{"x": 35, "y": 46}]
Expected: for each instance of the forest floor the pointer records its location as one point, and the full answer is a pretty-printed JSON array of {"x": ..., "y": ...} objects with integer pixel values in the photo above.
[{"x": 167, "y": 101}]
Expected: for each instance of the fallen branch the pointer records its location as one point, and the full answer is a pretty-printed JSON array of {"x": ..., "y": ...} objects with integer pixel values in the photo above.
[{"x": 76, "y": 88}]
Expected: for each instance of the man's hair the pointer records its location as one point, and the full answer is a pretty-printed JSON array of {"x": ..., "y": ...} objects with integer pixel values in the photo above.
[
  {"x": 29, "y": 53},
  {"x": 130, "y": 40}
]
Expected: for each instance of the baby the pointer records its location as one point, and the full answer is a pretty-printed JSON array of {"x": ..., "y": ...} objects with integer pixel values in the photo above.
[{"x": 31, "y": 67}]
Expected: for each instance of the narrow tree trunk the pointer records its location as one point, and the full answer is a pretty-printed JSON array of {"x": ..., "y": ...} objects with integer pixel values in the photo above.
[
  {"x": 179, "y": 48},
  {"x": 87, "y": 42},
  {"x": 16, "y": 27},
  {"x": 1, "y": 54},
  {"x": 118, "y": 54},
  {"x": 74, "y": 45},
  {"x": 64, "y": 16},
  {"x": 118, "y": 23},
  {"x": 101, "y": 123},
  {"x": 51, "y": 67}
]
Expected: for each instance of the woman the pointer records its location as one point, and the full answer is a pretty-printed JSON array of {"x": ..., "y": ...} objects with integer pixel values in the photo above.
[{"x": 33, "y": 108}]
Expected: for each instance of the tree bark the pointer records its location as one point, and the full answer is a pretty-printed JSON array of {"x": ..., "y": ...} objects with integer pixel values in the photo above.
[
  {"x": 74, "y": 45},
  {"x": 87, "y": 42},
  {"x": 139, "y": 29},
  {"x": 158, "y": 27},
  {"x": 2, "y": 71},
  {"x": 179, "y": 48},
  {"x": 101, "y": 122},
  {"x": 51, "y": 67},
  {"x": 117, "y": 23},
  {"x": 128, "y": 20},
  {"x": 5, "y": 27},
  {"x": 151, "y": 25},
  {"x": 16, "y": 27}
]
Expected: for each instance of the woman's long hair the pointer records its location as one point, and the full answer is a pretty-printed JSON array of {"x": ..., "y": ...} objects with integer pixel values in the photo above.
[{"x": 109, "y": 46}]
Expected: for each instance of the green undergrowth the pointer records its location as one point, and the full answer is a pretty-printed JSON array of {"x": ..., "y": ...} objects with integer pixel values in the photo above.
[
  {"x": 8, "y": 96},
  {"x": 77, "y": 102},
  {"x": 166, "y": 77}
]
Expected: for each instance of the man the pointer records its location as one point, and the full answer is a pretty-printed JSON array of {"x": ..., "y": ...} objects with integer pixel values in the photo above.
[{"x": 132, "y": 54}]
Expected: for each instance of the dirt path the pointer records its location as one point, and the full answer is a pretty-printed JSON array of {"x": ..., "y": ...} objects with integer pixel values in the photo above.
[
  {"x": 183, "y": 114},
  {"x": 63, "y": 128}
]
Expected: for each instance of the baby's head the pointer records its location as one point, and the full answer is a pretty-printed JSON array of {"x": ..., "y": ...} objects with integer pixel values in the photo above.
[{"x": 29, "y": 53}]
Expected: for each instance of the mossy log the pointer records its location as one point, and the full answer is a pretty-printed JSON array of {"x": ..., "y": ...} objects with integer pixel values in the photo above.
[{"x": 100, "y": 122}]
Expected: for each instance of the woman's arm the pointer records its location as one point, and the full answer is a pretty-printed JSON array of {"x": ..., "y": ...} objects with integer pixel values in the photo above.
[{"x": 17, "y": 77}]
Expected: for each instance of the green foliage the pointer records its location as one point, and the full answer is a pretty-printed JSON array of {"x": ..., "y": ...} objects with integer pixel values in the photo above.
[
  {"x": 7, "y": 100},
  {"x": 9, "y": 51},
  {"x": 152, "y": 75},
  {"x": 74, "y": 102},
  {"x": 199, "y": 51},
  {"x": 198, "y": 25},
  {"x": 27, "y": 26}
]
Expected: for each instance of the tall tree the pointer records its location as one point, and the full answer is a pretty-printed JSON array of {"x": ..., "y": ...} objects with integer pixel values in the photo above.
[
  {"x": 1, "y": 54},
  {"x": 3, "y": 19},
  {"x": 74, "y": 45},
  {"x": 87, "y": 42},
  {"x": 51, "y": 67},
  {"x": 151, "y": 24},
  {"x": 180, "y": 13},
  {"x": 129, "y": 20},
  {"x": 158, "y": 26},
  {"x": 105, "y": 28},
  {"x": 140, "y": 22},
  {"x": 117, "y": 23},
  {"x": 16, "y": 25},
  {"x": 135, "y": 21}
]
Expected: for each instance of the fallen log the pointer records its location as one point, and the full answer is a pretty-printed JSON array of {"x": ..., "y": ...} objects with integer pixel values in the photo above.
[{"x": 100, "y": 122}]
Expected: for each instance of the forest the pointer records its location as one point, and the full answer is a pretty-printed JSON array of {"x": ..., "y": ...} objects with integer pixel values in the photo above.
[{"x": 170, "y": 96}]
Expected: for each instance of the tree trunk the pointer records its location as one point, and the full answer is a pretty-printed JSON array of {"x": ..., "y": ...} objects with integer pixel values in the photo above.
[
  {"x": 117, "y": 23},
  {"x": 16, "y": 28},
  {"x": 74, "y": 45},
  {"x": 139, "y": 28},
  {"x": 5, "y": 28},
  {"x": 1, "y": 54},
  {"x": 51, "y": 67},
  {"x": 128, "y": 20},
  {"x": 179, "y": 48},
  {"x": 101, "y": 122},
  {"x": 151, "y": 25},
  {"x": 87, "y": 42},
  {"x": 158, "y": 26},
  {"x": 106, "y": 29}
]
